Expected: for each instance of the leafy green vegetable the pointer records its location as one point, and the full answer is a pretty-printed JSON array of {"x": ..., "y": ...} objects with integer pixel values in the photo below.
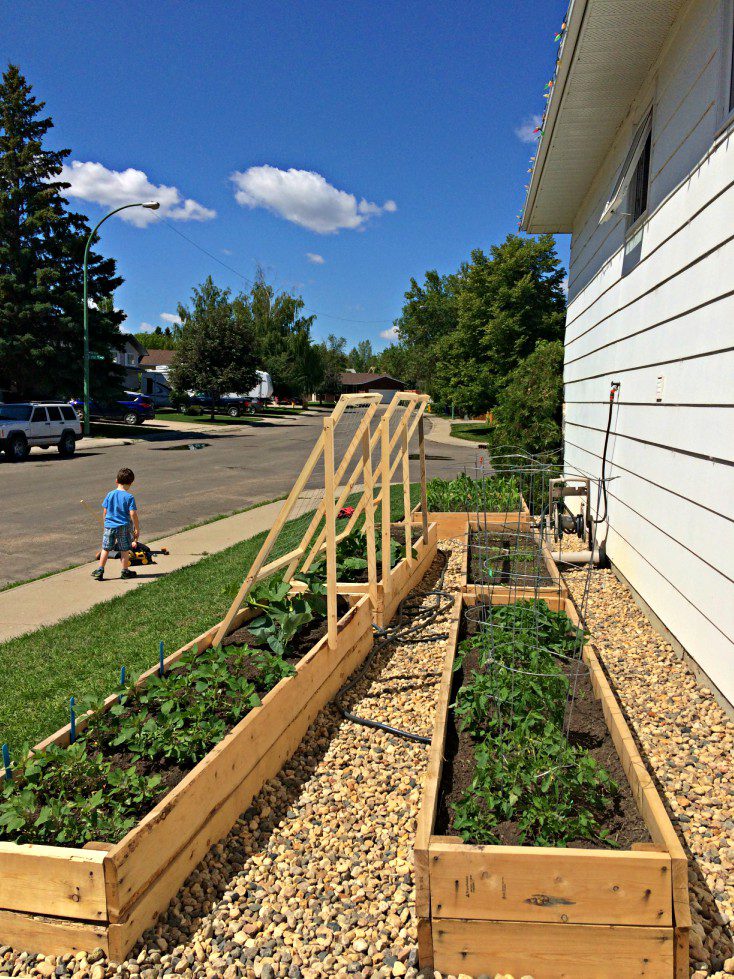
[
  {"x": 491, "y": 494},
  {"x": 513, "y": 707}
]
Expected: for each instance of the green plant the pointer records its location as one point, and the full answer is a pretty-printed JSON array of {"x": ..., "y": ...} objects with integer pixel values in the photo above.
[
  {"x": 68, "y": 795},
  {"x": 283, "y": 615},
  {"x": 491, "y": 494},
  {"x": 513, "y": 705}
]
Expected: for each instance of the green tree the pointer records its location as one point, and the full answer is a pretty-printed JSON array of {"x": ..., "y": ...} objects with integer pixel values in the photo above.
[
  {"x": 361, "y": 357},
  {"x": 529, "y": 412},
  {"x": 161, "y": 339},
  {"x": 282, "y": 334},
  {"x": 334, "y": 361},
  {"x": 41, "y": 253},
  {"x": 217, "y": 352},
  {"x": 461, "y": 335}
]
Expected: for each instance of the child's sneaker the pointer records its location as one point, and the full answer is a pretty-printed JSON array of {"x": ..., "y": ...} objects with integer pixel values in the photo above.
[
  {"x": 98, "y": 574},
  {"x": 127, "y": 573}
]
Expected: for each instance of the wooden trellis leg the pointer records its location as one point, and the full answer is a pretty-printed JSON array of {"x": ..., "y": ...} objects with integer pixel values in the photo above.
[
  {"x": 369, "y": 517},
  {"x": 330, "y": 517},
  {"x": 386, "y": 529},
  {"x": 406, "y": 500},
  {"x": 424, "y": 492}
]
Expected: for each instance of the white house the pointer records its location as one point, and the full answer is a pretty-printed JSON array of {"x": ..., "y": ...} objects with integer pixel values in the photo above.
[{"x": 636, "y": 161}]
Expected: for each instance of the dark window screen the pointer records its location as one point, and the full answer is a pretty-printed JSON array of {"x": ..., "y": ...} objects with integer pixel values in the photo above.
[
  {"x": 640, "y": 181},
  {"x": 68, "y": 413},
  {"x": 39, "y": 415},
  {"x": 54, "y": 414}
]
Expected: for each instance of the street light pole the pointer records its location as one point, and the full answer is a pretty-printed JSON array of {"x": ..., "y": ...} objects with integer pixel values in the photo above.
[{"x": 152, "y": 206}]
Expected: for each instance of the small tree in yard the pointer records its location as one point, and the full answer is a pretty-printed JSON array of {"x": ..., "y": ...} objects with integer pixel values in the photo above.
[
  {"x": 530, "y": 406},
  {"x": 216, "y": 352}
]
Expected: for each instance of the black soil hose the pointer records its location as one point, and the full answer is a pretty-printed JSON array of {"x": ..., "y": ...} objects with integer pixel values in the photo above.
[{"x": 396, "y": 635}]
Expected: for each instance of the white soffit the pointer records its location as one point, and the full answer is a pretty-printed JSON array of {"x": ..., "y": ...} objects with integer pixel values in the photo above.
[{"x": 608, "y": 49}]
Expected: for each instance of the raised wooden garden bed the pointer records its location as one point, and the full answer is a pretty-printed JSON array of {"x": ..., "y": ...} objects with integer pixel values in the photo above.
[
  {"x": 105, "y": 896},
  {"x": 502, "y": 593},
  {"x": 551, "y": 911}
]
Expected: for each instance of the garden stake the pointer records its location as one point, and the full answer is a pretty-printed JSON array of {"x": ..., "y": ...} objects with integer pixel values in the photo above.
[
  {"x": 72, "y": 721},
  {"x": 122, "y": 681},
  {"x": 6, "y": 763},
  {"x": 161, "y": 669}
]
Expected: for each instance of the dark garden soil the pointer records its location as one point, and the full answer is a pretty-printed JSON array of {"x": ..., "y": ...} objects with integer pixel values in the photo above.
[
  {"x": 170, "y": 772},
  {"x": 501, "y": 559},
  {"x": 622, "y": 821}
]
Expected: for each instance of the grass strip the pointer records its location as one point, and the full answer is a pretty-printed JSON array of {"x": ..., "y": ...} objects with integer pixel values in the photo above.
[
  {"x": 82, "y": 655},
  {"x": 471, "y": 431}
]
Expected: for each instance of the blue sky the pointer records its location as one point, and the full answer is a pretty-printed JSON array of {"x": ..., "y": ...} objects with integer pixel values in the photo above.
[{"x": 411, "y": 110}]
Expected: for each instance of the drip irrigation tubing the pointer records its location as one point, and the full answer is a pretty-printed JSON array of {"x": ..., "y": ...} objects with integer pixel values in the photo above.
[{"x": 401, "y": 633}]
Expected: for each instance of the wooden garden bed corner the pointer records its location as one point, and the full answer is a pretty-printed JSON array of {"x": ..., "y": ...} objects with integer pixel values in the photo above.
[
  {"x": 105, "y": 896},
  {"x": 546, "y": 911}
]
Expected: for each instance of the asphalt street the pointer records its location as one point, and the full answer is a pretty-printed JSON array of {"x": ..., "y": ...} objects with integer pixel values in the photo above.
[{"x": 44, "y": 528}]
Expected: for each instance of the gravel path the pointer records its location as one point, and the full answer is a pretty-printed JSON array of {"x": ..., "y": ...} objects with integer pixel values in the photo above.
[
  {"x": 688, "y": 742},
  {"x": 316, "y": 877}
]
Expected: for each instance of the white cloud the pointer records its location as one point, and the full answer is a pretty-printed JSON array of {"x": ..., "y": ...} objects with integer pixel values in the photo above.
[
  {"x": 304, "y": 198},
  {"x": 525, "y": 133},
  {"x": 146, "y": 327},
  {"x": 315, "y": 259},
  {"x": 112, "y": 188},
  {"x": 171, "y": 318},
  {"x": 390, "y": 334}
]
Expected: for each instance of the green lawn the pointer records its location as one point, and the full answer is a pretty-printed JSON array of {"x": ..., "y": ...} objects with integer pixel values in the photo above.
[
  {"x": 82, "y": 655},
  {"x": 471, "y": 431}
]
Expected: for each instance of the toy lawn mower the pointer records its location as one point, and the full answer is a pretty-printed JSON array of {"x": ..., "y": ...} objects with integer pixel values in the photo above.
[{"x": 141, "y": 554}]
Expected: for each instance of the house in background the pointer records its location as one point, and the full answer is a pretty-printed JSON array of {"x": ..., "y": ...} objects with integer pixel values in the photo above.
[
  {"x": 636, "y": 161},
  {"x": 353, "y": 382},
  {"x": 155, "y": 365},
  {"x": 128, "y": 355}
]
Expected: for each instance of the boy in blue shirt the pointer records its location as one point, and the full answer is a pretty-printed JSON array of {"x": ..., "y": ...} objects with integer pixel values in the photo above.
[{"x": 120, "y": 510}]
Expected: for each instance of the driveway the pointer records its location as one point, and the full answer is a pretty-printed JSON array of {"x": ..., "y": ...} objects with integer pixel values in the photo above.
[{"x": 44, "y": 528}]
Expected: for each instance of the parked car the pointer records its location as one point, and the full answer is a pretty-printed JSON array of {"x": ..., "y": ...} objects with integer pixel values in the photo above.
[
  {"x": 233, "y": 405},
  {"x": 36, "y": 423},
  {"x": 133, "y": 409}
]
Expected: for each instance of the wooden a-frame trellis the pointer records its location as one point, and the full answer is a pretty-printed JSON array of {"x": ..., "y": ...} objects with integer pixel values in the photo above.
[{"x": 405, "y": 415}]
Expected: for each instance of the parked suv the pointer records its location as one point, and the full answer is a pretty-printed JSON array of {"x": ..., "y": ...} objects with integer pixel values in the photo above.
[
  {"x": 133, "y": 409},
  {"x": 233, "y": 405},
  {"x": 37, "y": 423}
]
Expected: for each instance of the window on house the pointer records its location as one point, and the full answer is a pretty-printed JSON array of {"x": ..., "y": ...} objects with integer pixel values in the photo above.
[
  {"x": 639, "y": 149},
  {"x": 640, "y": 182},
  {"x": 731, "y": 65}
]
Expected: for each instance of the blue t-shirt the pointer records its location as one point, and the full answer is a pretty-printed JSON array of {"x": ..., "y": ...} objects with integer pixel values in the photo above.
[{"x": 119, "y": 505}]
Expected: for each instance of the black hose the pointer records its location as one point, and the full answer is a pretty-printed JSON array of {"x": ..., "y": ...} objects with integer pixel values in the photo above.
[
  {"x": 394, "y": 636},
  {"x": 603, "y": 481}
]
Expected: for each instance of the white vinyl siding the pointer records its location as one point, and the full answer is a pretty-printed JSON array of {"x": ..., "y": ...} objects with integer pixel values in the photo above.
[{"x": 660, "y": 303}]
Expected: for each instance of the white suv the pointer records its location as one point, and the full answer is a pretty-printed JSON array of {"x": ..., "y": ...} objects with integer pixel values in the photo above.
[{"x": 37, "y": 423}]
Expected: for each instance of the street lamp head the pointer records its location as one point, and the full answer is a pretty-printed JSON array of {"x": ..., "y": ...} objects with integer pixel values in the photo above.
[{"x": 152, "y": 205}]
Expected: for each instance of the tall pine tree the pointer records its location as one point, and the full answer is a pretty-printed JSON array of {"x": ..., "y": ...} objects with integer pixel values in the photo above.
[{"x": 41, "y": 253}]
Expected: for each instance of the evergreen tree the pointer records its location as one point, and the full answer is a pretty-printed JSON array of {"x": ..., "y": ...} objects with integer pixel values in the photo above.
[{"x": 41, "y": 253}]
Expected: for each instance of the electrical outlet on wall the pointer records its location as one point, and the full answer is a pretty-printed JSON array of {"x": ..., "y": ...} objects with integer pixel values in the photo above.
[{"x": 660, "y": 388}]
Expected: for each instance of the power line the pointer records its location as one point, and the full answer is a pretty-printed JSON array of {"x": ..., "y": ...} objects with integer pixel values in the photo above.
[{"x": 251, "y": 282}]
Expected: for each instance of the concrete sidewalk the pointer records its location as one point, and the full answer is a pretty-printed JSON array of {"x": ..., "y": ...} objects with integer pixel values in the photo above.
[
  {"x": 440, "y": 432},
  {"x": 51, "y": 599}
]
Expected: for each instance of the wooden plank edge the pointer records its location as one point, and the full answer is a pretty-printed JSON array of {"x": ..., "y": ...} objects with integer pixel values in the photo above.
[
  {"x": 429, "y": 799},
  {"x": 51, "y": 936},
  {"x": 156, "y": 897}
]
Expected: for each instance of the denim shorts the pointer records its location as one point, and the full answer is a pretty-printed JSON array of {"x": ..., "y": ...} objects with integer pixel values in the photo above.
[{"x": 116, "y": 539}]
